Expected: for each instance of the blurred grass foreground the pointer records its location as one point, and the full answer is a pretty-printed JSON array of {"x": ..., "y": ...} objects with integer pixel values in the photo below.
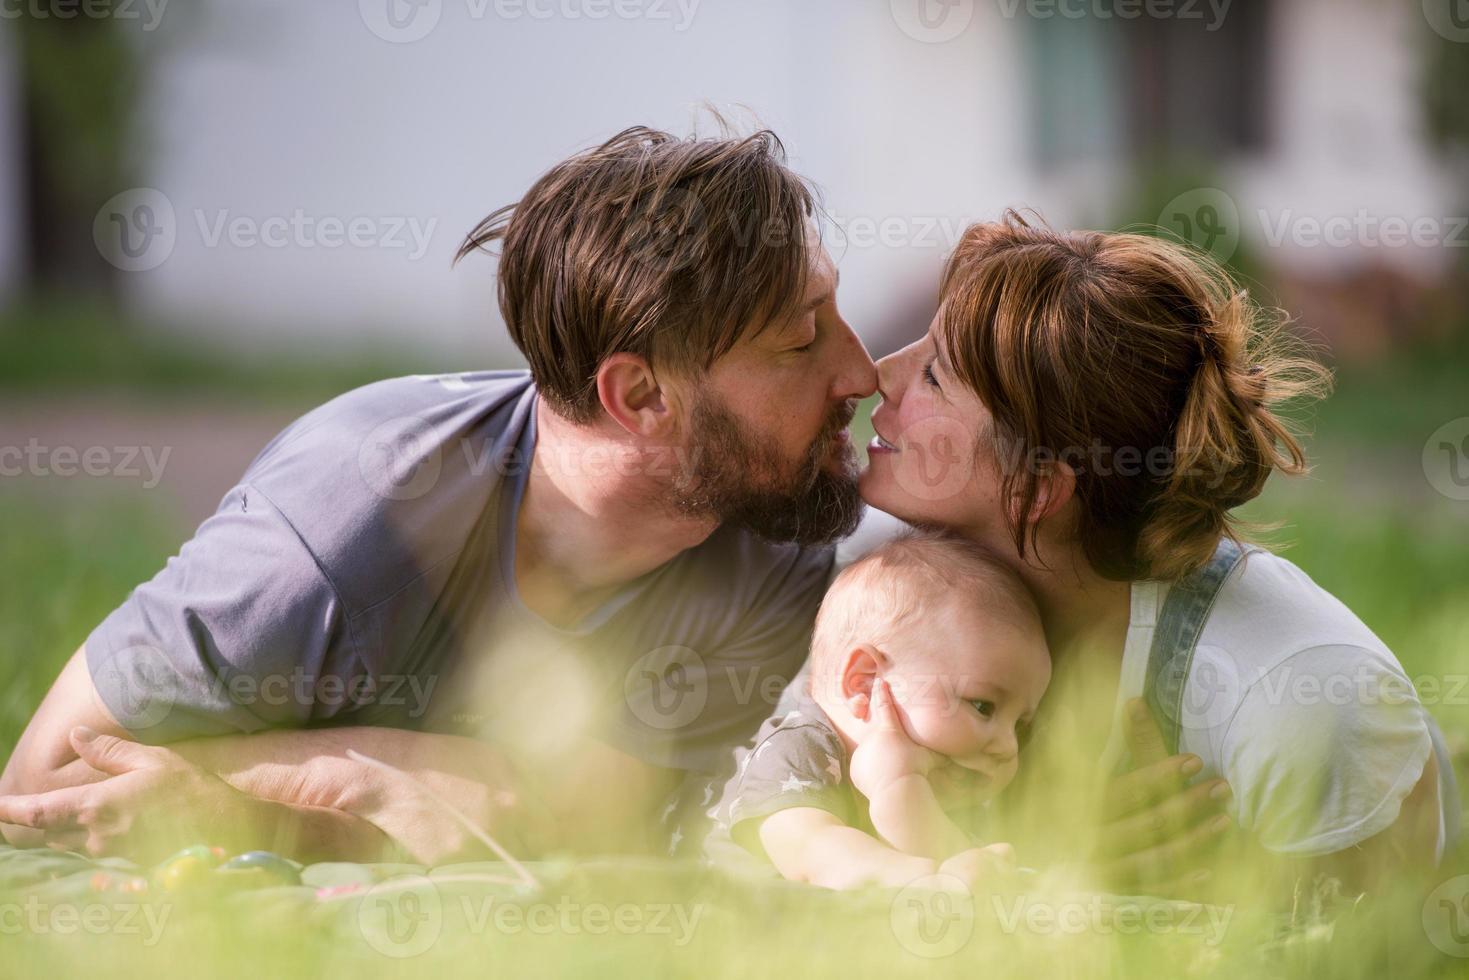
[{"x": 1380, "y": 524}]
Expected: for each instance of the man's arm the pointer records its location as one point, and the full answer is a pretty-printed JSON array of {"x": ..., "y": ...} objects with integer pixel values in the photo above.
[
  {"x": 530, "y": 809},
  {"x": 330, "y": 802},
  {"x": 291, "y": 815},
  {"x": 151, "y": 799},
  {"x": 44, "y": 758},
  {"x": 309, "y": 770}
]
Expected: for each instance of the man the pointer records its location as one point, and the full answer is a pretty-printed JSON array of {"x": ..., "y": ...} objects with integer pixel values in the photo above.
[{"x": 532, "y": 595}]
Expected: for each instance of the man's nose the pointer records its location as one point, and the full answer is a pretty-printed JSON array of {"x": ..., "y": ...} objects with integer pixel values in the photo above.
[{"x": 856, "y": 375}]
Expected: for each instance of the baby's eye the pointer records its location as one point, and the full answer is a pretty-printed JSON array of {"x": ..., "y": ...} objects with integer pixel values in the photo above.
[{"x": 986, "y": 709}]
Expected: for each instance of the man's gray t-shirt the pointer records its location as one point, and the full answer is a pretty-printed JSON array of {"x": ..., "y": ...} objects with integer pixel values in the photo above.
[{"x": 363, "y": 570}]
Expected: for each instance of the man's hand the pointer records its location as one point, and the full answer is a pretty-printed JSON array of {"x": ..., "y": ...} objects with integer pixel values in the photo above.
[
  {"x": 886, "y": 753},
  {"x": 153, "y": 800},
  {"x": 1157, "y": 831},
  {"x": 324, "y": 804}
]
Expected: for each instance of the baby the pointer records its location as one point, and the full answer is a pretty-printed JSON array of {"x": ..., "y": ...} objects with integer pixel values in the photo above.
[{"x": 927, "y": 664}]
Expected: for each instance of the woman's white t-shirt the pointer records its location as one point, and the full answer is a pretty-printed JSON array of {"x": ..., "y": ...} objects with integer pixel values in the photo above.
[
  {"x": 1294, "y": 701},
  {"x": 1290, "y": 697}
]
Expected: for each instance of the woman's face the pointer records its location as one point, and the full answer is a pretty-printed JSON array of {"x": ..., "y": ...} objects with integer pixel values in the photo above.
[{"x": 933, "y": 460}]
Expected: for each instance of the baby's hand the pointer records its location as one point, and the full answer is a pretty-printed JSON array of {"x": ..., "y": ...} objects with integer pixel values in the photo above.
[
  {"x": 981, "y": 866},
  {"x": 886, "y": 753}
]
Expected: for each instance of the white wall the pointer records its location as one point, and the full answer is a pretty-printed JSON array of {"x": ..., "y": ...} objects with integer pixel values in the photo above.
[
  {"x": 1348, "y": 136},
  {"x": 276, "y": 107},
  {"x": 265, "y": 108}
]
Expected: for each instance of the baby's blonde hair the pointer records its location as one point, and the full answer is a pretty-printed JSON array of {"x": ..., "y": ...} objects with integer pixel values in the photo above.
[{"x": 884, "y": 592}]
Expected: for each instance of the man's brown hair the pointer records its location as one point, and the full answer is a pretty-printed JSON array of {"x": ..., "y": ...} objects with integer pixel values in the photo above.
[{"x": 665, "y": 247}]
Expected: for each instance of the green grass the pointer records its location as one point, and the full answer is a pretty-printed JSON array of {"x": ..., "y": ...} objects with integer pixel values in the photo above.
[
  {"x": 1397, "y": 401},
  {"x": 739, "y": 931},
  {"x": 66, "y": 567},
  {"x": 50, "y": 347},
  {"x": 1390, "y": 548}
]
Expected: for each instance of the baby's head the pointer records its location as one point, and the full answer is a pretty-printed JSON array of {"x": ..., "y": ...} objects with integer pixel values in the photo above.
[{"x": 957, "y": 637}]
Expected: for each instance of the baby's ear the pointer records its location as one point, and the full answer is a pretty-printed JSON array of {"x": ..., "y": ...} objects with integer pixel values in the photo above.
[{"x": 860, "y": 668}]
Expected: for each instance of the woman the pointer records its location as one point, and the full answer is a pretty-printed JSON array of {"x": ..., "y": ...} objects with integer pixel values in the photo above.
[{"x": 1093, "y": 407}]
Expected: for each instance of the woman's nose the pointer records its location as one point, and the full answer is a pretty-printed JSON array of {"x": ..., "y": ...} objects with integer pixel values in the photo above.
[{"x": 891, "y": 375}]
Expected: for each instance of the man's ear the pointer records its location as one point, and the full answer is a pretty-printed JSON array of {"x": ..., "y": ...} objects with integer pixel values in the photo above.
[
  {"x": 1055, "y": 485},
  {"x": 863, "y": 665},
  {"x": 632, "y": 397}
]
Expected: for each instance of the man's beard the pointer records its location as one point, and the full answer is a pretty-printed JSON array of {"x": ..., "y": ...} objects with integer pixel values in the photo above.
[{"x": 733, "y": 476}]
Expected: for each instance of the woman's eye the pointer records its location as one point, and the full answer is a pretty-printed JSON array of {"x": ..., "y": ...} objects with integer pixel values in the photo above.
[
  {"x": 928, "y": 374},
  {"x": 985, "y": 708}
]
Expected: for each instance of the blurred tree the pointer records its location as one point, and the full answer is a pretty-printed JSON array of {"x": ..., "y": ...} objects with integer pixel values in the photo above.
[
  {"x": 80, "y": 75},
  {"x": 1445, "y": 82},
  {"x": 1446, "y": 112}
]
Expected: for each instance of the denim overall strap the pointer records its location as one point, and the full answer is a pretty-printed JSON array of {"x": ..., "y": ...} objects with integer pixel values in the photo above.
[
  {"x": 1170, "y": 658},
  {"x": 1180, "y": 622}
]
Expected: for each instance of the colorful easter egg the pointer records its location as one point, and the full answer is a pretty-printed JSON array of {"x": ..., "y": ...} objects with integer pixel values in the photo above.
[
  {"x": 189, "y": 868},
  {"x": 259, "y": 869}
]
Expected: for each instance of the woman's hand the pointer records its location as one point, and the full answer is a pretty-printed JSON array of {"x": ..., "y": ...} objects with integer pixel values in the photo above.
[{"x": 1157, "y": 831}]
